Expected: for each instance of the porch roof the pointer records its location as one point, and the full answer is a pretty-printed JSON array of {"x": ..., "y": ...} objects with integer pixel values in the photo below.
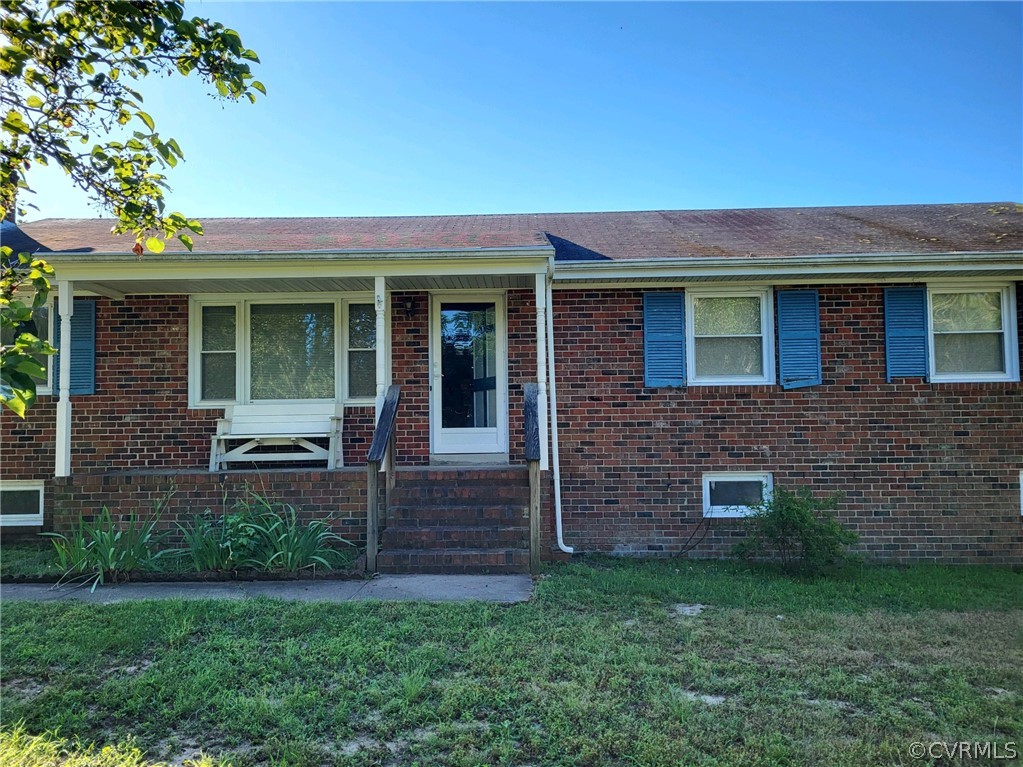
[{"x": 769, "y": 233}]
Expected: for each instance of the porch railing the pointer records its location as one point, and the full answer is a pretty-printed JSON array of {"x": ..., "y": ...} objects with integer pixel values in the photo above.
[
  {"x": 381, "y": 452},
  {"x": 532, "y": 418}
]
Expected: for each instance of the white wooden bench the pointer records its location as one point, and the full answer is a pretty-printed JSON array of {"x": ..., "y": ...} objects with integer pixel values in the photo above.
[{"x": 289, "y": 426}]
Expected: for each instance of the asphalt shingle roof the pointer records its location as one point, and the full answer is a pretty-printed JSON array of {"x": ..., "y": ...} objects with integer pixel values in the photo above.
[{"x": 673, "y": 234}]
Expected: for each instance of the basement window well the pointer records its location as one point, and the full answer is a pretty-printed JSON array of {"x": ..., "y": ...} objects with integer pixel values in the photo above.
[{"x": 734, "y": 493}]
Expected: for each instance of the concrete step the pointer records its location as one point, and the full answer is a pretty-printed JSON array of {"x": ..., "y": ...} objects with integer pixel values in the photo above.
[
  {"x": 454, "y": 537},
  {"x": 461, "y": 560}
]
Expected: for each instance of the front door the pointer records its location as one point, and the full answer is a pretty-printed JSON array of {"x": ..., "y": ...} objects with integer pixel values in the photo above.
[{"x": 469, "y": 387}]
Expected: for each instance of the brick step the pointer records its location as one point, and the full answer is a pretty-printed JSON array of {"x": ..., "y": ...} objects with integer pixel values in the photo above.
[
  {"x": 441, "y": 493},
  {"x": 454, "y": 537},
  {"x": 483, "y": 477},
  {"x": 458, "y": 515},
  {"x": 453, "y": 561}
]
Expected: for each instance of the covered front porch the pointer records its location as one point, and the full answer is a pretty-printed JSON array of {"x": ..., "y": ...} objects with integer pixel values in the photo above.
[
  {"x": 297, "y": 354},
  {"x": 218, "y": 374}
]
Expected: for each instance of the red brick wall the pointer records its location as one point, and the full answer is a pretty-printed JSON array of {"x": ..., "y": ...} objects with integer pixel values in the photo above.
[
  {"x": 410, "y": 362},
  {"x": 929, "y": 471},
  {"x": 139, "y": 417},
  {"x": 139, "y": 422},
  {"x": 338, "y": 497}
]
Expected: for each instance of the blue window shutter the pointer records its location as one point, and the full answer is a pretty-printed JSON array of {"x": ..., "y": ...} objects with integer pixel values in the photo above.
[
  {"x": 905, "y": 332},
  {"x": 799, "y": 338},
  {"x": 83, "y": 348},
  {"x": 664, "y": 339}
]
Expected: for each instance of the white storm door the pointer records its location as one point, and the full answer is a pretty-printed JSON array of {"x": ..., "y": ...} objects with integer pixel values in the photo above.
[{"x": 469, "y": 374}]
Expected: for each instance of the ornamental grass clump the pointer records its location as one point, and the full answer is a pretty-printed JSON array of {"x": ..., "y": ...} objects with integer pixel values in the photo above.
[
  {"x": 263, "y": 535},
  {"x": 103, "y": 549},
  {"x": 798, "y": 530}
]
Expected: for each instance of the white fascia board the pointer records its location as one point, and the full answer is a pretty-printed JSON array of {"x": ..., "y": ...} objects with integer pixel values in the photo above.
[
  {"x": 816, "y": 268},
  {"x": 111, "y": 267}
]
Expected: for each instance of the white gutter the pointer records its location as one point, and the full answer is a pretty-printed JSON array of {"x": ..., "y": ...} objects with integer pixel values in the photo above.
[
  {"x": 71, "y": 257},
  {"x": 849, "y": 263},
  {"x": 552, "y": 396}
]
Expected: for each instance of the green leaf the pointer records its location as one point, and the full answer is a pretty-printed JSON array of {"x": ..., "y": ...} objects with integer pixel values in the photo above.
[
  {"x": 155, "y": 244},
  {"x": 31, "y": 367},
  {"x": 257, "y": 85},
  {"x": 186, "y": 241},
  {"x": 34, "y": 102},
  {"x": 12, "y": 402},
  {"x": 144, "y": 117},
  {"x": 15, "y": 123}
]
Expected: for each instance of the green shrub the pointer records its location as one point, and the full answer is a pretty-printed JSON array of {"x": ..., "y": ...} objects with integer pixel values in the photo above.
[
  {"x": 797, "y": 529},
  {"x": 103, "y": 549}
]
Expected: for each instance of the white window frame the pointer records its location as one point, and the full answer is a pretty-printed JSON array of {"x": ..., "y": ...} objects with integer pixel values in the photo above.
[
  {"x": 23, "y": 520},
  {"x": 345, "y": 347},
  {"x": 766, "y": 296},
  {"x": 734, "y": 512},
  {"x": 47, "y": 388},
  {"x": 1010, "y": 348},
  {"x": 243, "y": 304}
]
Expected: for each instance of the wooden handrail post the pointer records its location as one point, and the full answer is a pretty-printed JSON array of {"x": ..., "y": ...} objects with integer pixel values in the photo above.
[
  {"x": 389, "y": 480},
  {"x": 381, "y": 453},
  {"x": 372, "y": 515}
]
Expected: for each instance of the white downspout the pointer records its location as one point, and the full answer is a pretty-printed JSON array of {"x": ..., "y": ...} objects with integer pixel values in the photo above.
[{"x": 553, "y": 399}]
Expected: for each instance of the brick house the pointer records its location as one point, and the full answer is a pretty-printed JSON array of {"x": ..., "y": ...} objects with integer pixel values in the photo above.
[{"x": 687, "y": 361}]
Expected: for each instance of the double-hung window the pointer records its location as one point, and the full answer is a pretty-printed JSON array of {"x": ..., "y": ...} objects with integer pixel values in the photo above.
[
  {"x": 972, "y": 331},
  {"x": 730, "y": 336},
  {"x": 282, "y": 349}
]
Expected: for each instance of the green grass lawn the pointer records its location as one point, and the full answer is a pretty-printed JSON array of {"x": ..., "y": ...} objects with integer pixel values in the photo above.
[
  {"x": 34, "y": 558},
  {"x": 600, "y": 668}
]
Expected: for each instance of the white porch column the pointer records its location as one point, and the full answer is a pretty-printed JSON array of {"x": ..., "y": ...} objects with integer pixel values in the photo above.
[
  {"x": 66, "y": 307},
  {"x": 541, "y": 364},
  {"x": 380, "y": 285}
]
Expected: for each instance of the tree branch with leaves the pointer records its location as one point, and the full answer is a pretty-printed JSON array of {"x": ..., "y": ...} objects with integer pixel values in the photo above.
[{"x": 69, "y": 72}]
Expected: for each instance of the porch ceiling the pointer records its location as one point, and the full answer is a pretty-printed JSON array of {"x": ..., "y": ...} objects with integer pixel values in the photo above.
[{"x": 305, "y": 285}]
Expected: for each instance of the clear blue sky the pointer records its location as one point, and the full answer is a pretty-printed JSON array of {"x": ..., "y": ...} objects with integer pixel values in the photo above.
[{"x": 396, "y": 109}]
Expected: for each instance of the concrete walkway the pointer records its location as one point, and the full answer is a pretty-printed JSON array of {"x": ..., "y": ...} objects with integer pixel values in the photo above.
[{"x": 418, "y": 588}]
